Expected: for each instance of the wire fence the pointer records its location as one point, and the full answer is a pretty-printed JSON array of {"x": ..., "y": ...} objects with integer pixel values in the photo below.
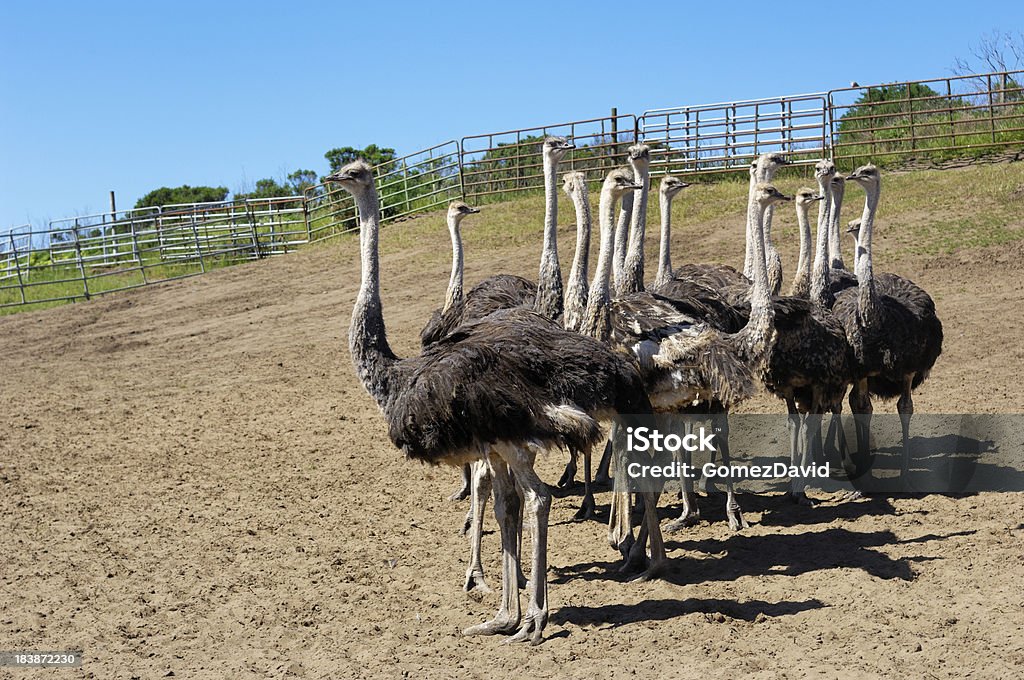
[{"x": 910, "y": 122}]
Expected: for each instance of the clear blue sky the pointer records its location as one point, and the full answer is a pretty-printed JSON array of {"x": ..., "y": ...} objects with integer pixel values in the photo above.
[{"x": 99, "y": 95}]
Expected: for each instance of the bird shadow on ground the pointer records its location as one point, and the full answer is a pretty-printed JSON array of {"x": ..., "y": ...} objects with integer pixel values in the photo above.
[
  {"x": 617, "y": 615},
  {"x": 708, "y": 559}
]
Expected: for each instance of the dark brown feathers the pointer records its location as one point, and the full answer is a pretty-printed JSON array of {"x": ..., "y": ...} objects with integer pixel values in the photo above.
[
  {"x": 503, "y": 291},
  {"x": 513, "y": 376}
]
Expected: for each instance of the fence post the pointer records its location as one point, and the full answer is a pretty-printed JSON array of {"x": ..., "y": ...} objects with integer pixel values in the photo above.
[
  {"x": 252, "y": 229},
  {"x": 135, "y": 248},
  {"x": 17, "y": 265},
  {"x": 615, "y": 132},
  {"x": 910, "y": 110},
  {"x": 991, "y": 111},
  {"x": 462, "y": 171},
  {"x": 199, "y": 248},
  {"x": 949, "y": 108},
  {"x": 81, "y": 264}
]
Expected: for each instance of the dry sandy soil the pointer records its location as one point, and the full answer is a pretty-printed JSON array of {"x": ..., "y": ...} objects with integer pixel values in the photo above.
[{"x": 193, "y": 483}]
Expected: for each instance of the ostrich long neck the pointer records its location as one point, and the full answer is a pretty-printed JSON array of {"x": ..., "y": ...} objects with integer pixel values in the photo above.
[
  {"x": 633, "y": 274},
  {"x": 756, "y": 335},
  {"x": 367, "y": 340},
  {"x": 835, "y": 245},
  {"x": 454, "y": 294},
  {"x": 665, "y": 252},
  {"x": 802, "y": 279},
  {"x": 549, "y": 282},
  {"x": 621, "y": 237},
  {"x": 821, "y": 294},
  {"x": 748, "y": 257},
  {"x": 577, "y": 292},
  {"x": 596, "y": 320},
  {"x": 867, "y": 300}
]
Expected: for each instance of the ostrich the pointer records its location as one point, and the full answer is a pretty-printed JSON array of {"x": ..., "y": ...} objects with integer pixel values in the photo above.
[
  {"x": 501, "y": 390},
  {"x": 801, "y": 286},
  {"x": 891, "y": 325},
  {"x": 575, "y": 187},
  {"x": 622, "y": 236},
  {"x": 810, "y": 365},
  {"x": 762, "y": 170},
  {"x": 853, "y": 229},
  {"x": 457, "y": 211},
  {"x": 684, "y": 359},
  {"x": 840, "y": 278}
]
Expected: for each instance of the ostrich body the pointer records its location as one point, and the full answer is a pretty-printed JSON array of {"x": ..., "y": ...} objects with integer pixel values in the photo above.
[
  {"x": 500, "y": 390},
  {"x": 890, "y": 324}
]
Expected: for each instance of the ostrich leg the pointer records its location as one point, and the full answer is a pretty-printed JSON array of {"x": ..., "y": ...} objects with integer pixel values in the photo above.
[
  {"x": 589, "y": 505},
  {"x": 481, "y": 487},
  {"x": 905, "y": 407},
  {"x": 569, "y": 474},
  {"x": 860, "y": 407},
  {"x": 733, "y": 513},
  {"x": 602, "y": 476},
  {"x": 506, "y": 511},
  {"x": 620, "y": 525},
  {"x": 464, "y": 491},
  {"x": 797, "y": 452},
  {"x": 537, "y": 504},
  {"x": 690, "y": 515}
]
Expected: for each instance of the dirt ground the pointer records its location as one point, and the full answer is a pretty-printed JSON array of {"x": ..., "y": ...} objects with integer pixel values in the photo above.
[{"x": 193, "y": 483}]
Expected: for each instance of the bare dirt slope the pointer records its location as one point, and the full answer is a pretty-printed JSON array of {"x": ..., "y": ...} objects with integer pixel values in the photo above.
[{"x": 193, "y": 481}]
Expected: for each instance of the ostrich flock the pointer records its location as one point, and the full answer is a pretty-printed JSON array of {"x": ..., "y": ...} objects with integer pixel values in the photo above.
[{"x": 514, "y": 368}]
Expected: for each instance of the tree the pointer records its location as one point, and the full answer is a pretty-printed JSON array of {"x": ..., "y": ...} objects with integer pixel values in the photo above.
[
  {"x": 182, "y": 194},
  {"x": 373, "y": 154},
  {"x": 1001, "y": 51},
  {"x": 300, "y": 180}
]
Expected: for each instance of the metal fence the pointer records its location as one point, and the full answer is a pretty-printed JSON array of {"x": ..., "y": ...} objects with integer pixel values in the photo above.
[
  {"x": 893, "y": 123},
  {"x": 726, "y": 137}
]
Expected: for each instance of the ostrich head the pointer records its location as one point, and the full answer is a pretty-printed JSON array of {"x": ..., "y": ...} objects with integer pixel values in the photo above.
[
  {"x": 639, "y": 158},
  {"x": 806, "y": 196},
  {"x": 767, "y": 163},
  {"x": 356, "y": 176},
  {"x": 619, "y": 181},
  {"x": 824, "y": 169},
  {"x": 555, "y": 148},
  {"x": 458, "y": 210},
  {"x": 867, "y": 176},
  {"x": 670, "y": 186},
  {"x": 767, "y": 194},
  {"x": 853, "y": 228},
  {"x": 573, "y": 182}
]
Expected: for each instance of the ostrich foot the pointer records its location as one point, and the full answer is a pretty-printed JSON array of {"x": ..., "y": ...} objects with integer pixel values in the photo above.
[
  {"x": 686, "y": 520},
  {"x": 636, "y": 559},
  {"x": 475, "y": 582},
  {"x": 502, "y": 624},
  {"x": 854, "y": 495},
  {"x": 532, "y": 628},
  {"x": 801, "y": 498},
  {"x": 653, "y": 572},
  {"x": 735, "y": 517},
  {"x": 568, "y": 476},
  {"x": 460, "y": 494},
  {"x": 587, "y": 509}
]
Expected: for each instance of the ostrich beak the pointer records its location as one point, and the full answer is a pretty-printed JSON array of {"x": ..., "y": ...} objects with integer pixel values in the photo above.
[{"x": 473, "y": 211}]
